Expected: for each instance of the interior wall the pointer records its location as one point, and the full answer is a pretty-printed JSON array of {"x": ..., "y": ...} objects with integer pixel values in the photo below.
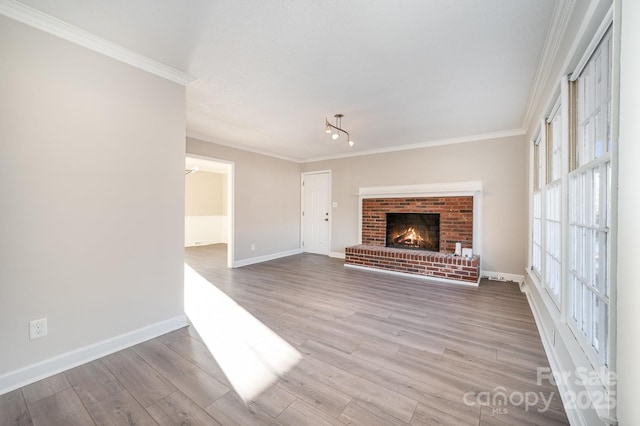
[
  {"x": 205, "y": 208},
  {"x": 498, "y": 163},
  {"x": 628, "y": 318},
  {"x": 267, "y": 200},
  {"x": 204, "y": 194},
  {"x": 92, "y": 190}
]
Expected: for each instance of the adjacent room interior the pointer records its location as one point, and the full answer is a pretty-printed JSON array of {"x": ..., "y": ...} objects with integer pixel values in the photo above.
[
  {"x": 319, "y": 212},
  {"x": 208, "y": 200}
]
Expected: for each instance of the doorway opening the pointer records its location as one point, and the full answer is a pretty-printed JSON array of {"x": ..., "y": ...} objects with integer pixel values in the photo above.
[{"x": 209, "y": 204}]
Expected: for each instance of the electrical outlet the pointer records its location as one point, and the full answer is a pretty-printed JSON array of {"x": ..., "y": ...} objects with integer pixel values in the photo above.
[
  {"x": 253, "y": 247},
  {"x": 37, "y": 328}
]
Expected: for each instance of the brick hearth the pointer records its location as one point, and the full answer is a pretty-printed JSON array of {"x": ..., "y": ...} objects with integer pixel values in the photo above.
[
  {"x": 456, "y": 226},
  {"x": 418, "y": 262}
]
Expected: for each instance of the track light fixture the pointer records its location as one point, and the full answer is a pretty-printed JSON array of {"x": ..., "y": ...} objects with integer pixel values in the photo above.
[{"x": 336, "y": 129}]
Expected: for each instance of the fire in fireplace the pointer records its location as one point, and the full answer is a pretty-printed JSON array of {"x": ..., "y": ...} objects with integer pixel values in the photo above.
[{"x": 413, "y": 231}]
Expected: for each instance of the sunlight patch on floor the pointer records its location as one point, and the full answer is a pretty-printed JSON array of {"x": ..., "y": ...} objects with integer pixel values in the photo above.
[{"x": 251, "y": 355}]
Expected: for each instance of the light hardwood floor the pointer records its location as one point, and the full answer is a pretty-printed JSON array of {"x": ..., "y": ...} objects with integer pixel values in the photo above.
[{"x": 377, "y": 350}]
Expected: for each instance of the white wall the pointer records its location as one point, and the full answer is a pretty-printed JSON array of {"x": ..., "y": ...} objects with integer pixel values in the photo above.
[
  {"x": 500, "y": 164},
  {"x": 267, "y": 201},
  {"x": 628, "y": 320},
  {"x": 92, "y": 190},
  {"x": 203, "y": 230}
]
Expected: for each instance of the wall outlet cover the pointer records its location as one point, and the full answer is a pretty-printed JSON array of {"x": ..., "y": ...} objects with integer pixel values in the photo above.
[{"x": 38, "y": 328}]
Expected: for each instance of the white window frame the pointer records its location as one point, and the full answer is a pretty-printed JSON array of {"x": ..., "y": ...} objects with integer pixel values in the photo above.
[
  {"x": 577, "y": 343},
  {"x": 589, "y": 277},
  {"x": 555, "y": 140},
  {"x": 536, "y": 203}
]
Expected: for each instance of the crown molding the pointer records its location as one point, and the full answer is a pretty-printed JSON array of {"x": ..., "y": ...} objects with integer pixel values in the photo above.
[
  {"x": 471, "y": 138},
  {"x": 204, "y": 138},
  {"x": 37, "y": 19},
  {"x": 428, "y": 144},
  {"x": 463, "y": 139},
  {"x": 559, "y": 22}
]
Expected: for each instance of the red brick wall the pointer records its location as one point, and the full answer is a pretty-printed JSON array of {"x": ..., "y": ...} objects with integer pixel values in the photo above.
[
  {"x": 418, "y": 262},
  {"x": 456, "y": 218}
]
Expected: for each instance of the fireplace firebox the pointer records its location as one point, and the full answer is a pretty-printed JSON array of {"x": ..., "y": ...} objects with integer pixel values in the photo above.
[{"x": 420, "y": 231}]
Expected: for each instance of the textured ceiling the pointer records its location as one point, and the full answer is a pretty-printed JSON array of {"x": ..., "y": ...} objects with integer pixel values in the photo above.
[{"x": 405, "y": 72}]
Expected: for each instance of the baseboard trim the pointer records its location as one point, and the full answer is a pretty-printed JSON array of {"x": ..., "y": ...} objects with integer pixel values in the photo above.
[
  {"x": 337, "y": 255},
  {"x": 265, "y": 258},
  {"x": 574, "y": 416},
  {"x": 43, "y": 369},
  {"x": 502, "y": 276},
  {"x": 203, "y": 243},
  {"x": 422, "y": 277}
]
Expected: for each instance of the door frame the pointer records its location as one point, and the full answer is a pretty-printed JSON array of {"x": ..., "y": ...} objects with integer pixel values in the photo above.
[{"x": 302, "y": 195}]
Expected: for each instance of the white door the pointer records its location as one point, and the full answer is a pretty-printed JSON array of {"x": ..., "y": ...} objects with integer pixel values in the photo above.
[{"x": 316, "y": 218}]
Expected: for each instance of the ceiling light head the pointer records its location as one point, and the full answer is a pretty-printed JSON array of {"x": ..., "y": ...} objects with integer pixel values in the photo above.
[{"x": 336, "y": 129}]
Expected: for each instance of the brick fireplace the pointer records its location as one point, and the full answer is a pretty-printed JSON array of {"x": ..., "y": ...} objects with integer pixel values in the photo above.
[
  {"x": 457, "y": 206},
  {"x": 456, "y": 218}
]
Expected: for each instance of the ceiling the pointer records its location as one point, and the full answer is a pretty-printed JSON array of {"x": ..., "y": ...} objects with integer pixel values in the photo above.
[{"x": 403, "y": 73}]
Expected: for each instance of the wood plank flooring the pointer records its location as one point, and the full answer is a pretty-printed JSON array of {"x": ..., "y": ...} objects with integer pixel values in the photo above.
[{"x": 377, "y": 350}]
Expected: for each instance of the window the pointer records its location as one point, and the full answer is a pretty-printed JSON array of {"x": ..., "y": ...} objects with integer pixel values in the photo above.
[
  {"x": 553, "y": 241},
  {"x": 536, "y": 246},
  {"x": 574, "y": 179},
  {"x": 537, "y": 165},
  {"x": 553, "y": 205},
  {"x": 590, "y": 206},
  {"x": 554, "y": 144},
  {"x": 572, "y": 203}
]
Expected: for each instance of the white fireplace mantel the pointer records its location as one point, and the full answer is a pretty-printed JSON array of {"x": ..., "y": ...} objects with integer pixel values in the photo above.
[
  {"x": 451, "y": 189},
  {"x": 446, "y": 189}
]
